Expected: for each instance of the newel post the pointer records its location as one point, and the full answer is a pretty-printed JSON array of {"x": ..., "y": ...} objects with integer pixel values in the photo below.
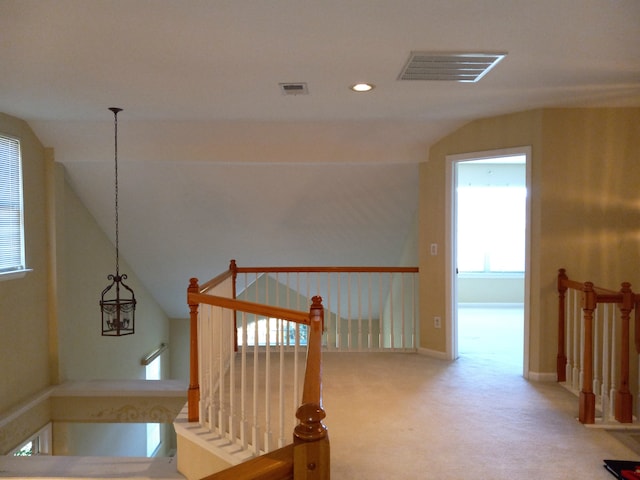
[
  {"x": 311, "y": 458},
  {"x": 624, "y": 399},
  {"x": 193, "y": 395},
  {"x": 561, "y": 359},
  {"x": 233, "y": 268},
  {"x": 587, "y": 413}
]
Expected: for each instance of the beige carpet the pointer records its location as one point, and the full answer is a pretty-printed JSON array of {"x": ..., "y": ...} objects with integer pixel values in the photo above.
[{"x": 406, "y": 416}]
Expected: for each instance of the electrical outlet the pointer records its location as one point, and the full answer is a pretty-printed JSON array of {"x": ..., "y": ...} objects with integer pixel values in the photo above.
[{"x": 437, "y": 322}]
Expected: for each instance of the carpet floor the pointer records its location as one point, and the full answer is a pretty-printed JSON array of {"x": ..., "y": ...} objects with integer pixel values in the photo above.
[{"x": 407, "y": 416}]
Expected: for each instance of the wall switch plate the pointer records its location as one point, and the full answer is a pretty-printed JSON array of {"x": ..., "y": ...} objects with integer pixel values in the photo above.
[
  {"x": 437, "y": 322},
  {"x": 434, "y": 249}
]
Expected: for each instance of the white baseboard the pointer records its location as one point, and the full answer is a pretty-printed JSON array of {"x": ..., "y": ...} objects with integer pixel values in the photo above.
[
  {"x": 542, "y": 376},
  {"x": 427, "y": 352}
]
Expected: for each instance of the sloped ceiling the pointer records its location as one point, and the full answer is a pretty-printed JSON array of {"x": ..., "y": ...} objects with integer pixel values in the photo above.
[{"x": 216, "y": 163}]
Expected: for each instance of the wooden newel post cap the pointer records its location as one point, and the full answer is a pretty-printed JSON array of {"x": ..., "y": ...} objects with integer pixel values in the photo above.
[
  {"x": 310, "y": 427},
  {"x": 316, "y": 303}
]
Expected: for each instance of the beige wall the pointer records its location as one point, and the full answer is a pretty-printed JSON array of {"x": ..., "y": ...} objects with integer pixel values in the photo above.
[
  {"x": 50, "y": 318},
  {"x": 88, "y": 258},
  {"x": 585, "y": 209},
  {"x": 490, "y": 289},
  {"x": 24, "y": 350}
]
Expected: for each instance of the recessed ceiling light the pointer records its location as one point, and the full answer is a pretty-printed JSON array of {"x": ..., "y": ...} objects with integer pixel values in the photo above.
[{"x": 362, "y": 87}]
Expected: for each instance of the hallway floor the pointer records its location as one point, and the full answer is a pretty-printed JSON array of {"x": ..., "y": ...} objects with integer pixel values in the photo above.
[
  {"x": 494, "y": 333},
  {"x": 408, "y": 416}
]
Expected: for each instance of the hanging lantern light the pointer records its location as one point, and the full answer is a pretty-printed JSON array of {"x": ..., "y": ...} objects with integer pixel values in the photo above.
[{"x": 118, "y": 302}]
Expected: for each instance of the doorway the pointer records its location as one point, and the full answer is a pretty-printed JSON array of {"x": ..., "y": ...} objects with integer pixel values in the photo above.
[{"x": 489, "y": 221}]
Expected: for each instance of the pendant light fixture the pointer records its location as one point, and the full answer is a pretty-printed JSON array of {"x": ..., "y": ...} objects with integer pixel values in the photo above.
[{"x": 118, "y": 312}]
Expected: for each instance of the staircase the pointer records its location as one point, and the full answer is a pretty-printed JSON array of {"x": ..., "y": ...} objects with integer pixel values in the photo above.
[{"x": 226, "y": 429}]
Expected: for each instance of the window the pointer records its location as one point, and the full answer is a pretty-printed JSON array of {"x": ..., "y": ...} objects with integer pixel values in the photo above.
[
  {"x": 279, "y": 332},
  {"x": 38, "y": 444},
  {"x": 153, "y": 372},
  {"x": 491, "y": 229},
  {"x": 12, "y": 258}
]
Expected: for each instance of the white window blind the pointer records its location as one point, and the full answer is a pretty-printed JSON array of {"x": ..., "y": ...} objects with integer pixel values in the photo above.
[{"x": 11, "y": 207}]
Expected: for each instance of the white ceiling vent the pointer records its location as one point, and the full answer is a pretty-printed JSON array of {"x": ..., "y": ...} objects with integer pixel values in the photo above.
[
  {"x": 299, "y": 88},
  {"x": 453, "y": 67}
]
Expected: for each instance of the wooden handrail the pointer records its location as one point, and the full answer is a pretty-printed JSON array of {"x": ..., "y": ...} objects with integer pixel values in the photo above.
[
  {"x": 234, "y": 270},
  {"x": 276, "y": 465},
  {"x": 220, "y": 278},
  {"x": 312, "y": 391},
  {"x": 326, "y": 269},
  {"x": 250, "y": 307}
]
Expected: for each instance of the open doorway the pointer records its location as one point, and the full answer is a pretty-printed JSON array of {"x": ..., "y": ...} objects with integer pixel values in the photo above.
[{"x": 489, "y": 256}]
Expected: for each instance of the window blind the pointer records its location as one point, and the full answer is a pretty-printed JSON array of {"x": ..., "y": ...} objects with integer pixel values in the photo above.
[{"x": 11, "y": 207}]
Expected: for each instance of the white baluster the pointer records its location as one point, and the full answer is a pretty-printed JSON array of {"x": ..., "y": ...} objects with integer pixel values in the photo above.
[
  {"x": 281, "y": 330},
  {"x": 380, "y": 313},
  {"x": 614, "y": 378},
  {"x": 392, "y": 343},
  {"x": 370, "y": 308},
  {"x": 229, "y": 323},
  {"x": 567, "y": 338},
  {"x": 577, "y": 329},
  {"x": 267, "y": 388},
  {"x": 595, "y": 384},
  {"x": 338, "y": 314},
  {"x": 255, "y": 433},
  {"x": 349, "y": 334},
  {"x": 606, "y": 360},
  {"x": 243, "y": 384},
  {"x": 402, "y": 332},
  {"x": 221, "y": 373},
  {"x": 201, "y": 365},
  {"x": 296, "y": 367}
]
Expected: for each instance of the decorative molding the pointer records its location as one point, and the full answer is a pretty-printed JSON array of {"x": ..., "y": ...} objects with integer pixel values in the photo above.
[
  {"x": 116, "y": 409},
  {"x": 24, "y": 422},
  {"x": 156, "y": 401}
]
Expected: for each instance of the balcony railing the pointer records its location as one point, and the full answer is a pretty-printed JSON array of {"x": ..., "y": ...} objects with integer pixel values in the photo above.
[
  {"x": 250, "y": 384},
  {"x": 594, "y": 347}
]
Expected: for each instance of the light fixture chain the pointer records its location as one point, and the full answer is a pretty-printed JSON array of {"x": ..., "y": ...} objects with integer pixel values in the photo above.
[{"x": 115, "y": 142}]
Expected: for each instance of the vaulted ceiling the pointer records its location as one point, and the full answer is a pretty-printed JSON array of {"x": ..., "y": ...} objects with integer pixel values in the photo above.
[{"x": 217, "y": 163}]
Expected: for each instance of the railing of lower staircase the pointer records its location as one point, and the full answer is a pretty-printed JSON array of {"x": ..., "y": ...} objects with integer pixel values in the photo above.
[
  {"x": 594, "y": 357},
  {"x": 249, "y": 338},
  {"x": 248, "y": 395}
]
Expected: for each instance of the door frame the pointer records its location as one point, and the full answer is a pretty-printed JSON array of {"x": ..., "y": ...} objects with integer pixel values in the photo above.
[{"x": 451, "y": 280}]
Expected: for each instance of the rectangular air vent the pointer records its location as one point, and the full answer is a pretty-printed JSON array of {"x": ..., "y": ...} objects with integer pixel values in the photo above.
[
  {"x": 452, "y": 67},
  {"x": 299, "y": 88}
]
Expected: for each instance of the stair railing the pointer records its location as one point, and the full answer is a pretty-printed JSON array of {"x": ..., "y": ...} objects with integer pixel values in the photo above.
[
  {"x": 593, "y": 347},
  {"x": 234, "y": 393},
  {"x": 308, "y": 457},
  {"x": 366, "y": 308}
]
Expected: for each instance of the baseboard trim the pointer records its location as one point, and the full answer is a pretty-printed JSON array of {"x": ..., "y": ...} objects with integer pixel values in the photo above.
[
  {"x": 427, "y": 352},
  {"x": 542, "y": 376}
]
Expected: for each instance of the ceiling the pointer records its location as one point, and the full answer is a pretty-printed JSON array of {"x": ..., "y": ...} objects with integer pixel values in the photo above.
[{"x": 215, "y": 162}]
